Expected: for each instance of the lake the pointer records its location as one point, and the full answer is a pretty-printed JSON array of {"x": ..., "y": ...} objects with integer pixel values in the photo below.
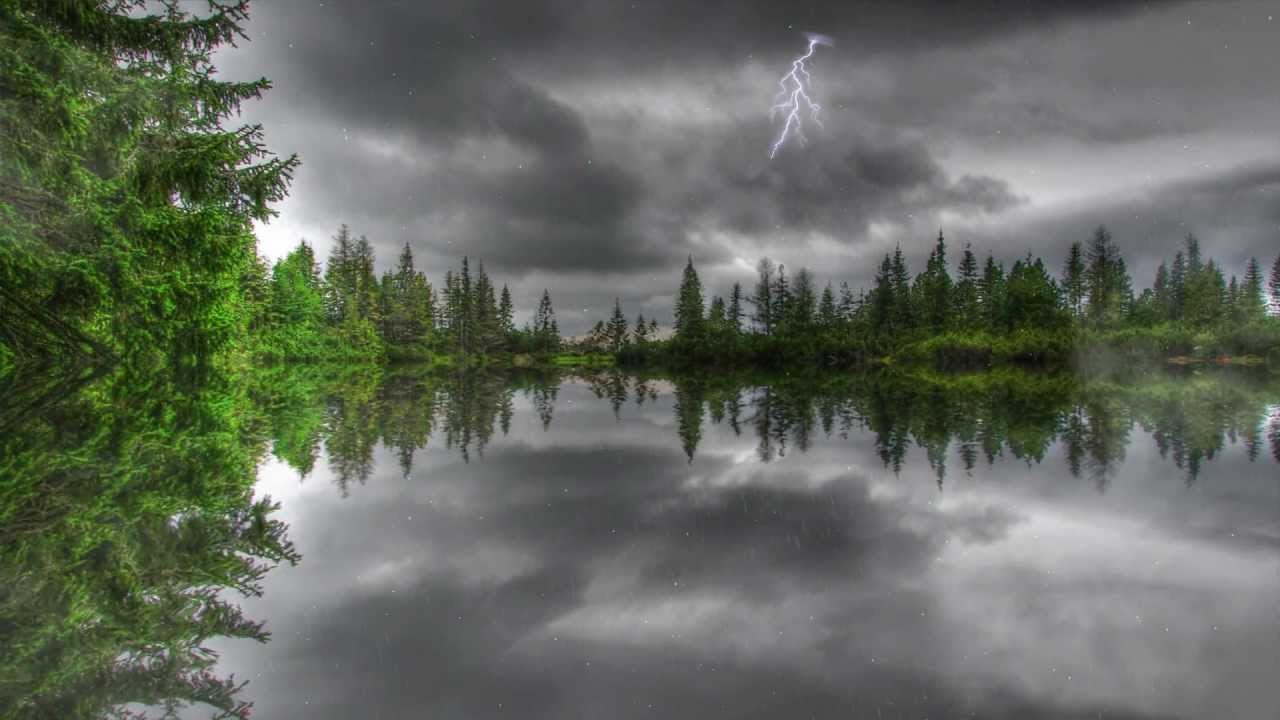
[{"x": 538, "y": 545}]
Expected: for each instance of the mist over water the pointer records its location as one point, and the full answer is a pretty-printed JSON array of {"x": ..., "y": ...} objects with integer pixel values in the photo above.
[{"x": 1006, "y": 545}]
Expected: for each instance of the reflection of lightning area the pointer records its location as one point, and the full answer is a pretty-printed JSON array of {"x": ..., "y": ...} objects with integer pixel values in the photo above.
[{"x": 796, "y": 94}]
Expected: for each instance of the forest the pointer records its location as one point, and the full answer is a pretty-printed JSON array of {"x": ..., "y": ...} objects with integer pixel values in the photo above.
[{"x": 128, "y": 199}]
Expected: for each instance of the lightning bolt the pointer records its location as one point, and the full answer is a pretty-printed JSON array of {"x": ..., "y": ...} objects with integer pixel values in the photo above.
[{"x": 796, "y": 95}]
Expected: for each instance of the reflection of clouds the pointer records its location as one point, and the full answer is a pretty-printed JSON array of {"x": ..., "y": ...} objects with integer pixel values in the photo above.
[{"x": 591, "y": 570}]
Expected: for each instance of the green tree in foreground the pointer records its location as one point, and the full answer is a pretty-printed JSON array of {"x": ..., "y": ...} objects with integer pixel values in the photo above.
[{"x": 127, "y": 192}]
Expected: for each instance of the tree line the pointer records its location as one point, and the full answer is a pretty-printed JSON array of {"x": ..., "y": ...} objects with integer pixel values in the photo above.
[
  {"x": 346, "y": 312},
  {"x": 1024, "y": 310}
]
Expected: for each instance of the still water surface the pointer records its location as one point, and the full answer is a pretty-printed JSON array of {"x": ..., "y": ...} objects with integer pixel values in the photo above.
[{"x": 1009, "y": 547}]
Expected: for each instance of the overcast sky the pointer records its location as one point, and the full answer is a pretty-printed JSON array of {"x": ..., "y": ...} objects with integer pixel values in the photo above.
[{"x": 589, "y": 146}]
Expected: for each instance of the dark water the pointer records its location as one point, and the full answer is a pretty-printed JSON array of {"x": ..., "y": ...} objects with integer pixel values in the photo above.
[{"x": 999, "y": 546}]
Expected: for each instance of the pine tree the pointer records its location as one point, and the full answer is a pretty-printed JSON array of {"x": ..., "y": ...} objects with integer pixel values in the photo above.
[
  {"x": 1252, "y": 302},
  {"x": 339, "y": 280},
  {"x": 781, "y": 297},
  {"x": 882, "y": 300},
  {"x": 1177, "y": 286},
  {"x": 992, "y": 294},
  {"x": 903, "y": 308},
  {"x": 935, "y": 289},
  {"x": 1162, "y": 292},
  {"x": 1273, "y": 286},
  {"x": 847, "y": 302},
  {"x": 735, "y": 309},
  {"x": 828, "y": 314},
  {"x": 1109, "y": 288},
  {"x": 1074, "y": 283},
  {"x": 717, "y": 315},
  {"x": 545, "y": 330},
  {"x": 640, "y": 335},
  {"x": 616, "y": 331},
  {"x": 763, "y": 297},
  {"x": 966, "y": 290},
  {"x": 689, "y": 306},
  {"x": 804, "y": 301},
  {"x": 506, "y": 313},
  {"x": 127, "y": 188}
]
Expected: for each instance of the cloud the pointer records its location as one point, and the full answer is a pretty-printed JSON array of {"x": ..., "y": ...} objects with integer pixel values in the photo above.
[{"x": 589, "y": 147}]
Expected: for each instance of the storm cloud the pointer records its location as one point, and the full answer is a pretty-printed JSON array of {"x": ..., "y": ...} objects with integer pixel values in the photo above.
[{"x": 590, "y": 147}]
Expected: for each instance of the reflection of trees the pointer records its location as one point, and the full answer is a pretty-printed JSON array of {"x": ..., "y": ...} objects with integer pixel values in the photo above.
[
  {"x": 1002, "y": 413},
  {"x": 127, "y": 524},
  {"x": 402, "y": 409},
  {"x": 988, "y": 415}
]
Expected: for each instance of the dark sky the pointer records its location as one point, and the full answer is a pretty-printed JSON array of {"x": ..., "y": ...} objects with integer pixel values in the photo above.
[{"x": 590, "y": 146}]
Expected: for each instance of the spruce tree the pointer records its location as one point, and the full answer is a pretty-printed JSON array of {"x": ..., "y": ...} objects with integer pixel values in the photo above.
[
  {"x": 506, "y": 313},
  {"x": 1252, "y": 302},
  {"x": 1273, "y": 286},
  {"x": 935, "y": 289},
  {"x": 545, "y": 330},
  {"x": 640, "y": 334},
  {"x": 847, "y": 302},
  {"x": 882, "y": 300},
  {"x": 1162, "y": 292},
  {"x": 735, "y": 309},
  {"x": 616, "y": 332},
  {"x": 966, "y": 290},
  {"x": 763, "y": 297},
  {"x": 903, "y": 308},
  {"x": 717, "y": 315},
  {"x": 1177, "y": 286},
  {"x": 125, "y": 182},
  {"x": 781, "y": 297},
  {"x": 828, "y": 313},
  {"x": 992, "y": 294},
  {"x": 804, "y": 302},
  {"x": 689, "y": 306},
  {"x": 1074, "y": 284}
]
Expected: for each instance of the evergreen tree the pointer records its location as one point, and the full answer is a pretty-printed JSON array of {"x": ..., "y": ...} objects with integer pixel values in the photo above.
[
  {"x": 616, "y": 331},
  {"x": 339, "y": 278},
  {"x": 689, "y": 307},
  {"x": 992, "y": 294},
  {"x": 545, "y": 330},
  {"x": 828, "y": 313},
  {"x": 763, "y": 297},
  {"x": 848, "y": 305},
  {"x": 1273, "y": 286},
  {"x": 882, "y": 300},
  {"x": 640, "y": 334},
  {"x": 1177, "y": 286},
  {"x": 903, "y": 311},
  {"x": 735, "y": 309},
  {"x": 804, "y": 301},
  {"x": 717, "y": 315},
  {"x": 1162, "y": 292},
  {"x": 126, "y": 188},
  {"x": 506, "y": 313},
  {"x": 935, "y": 289},
  {"x": 781, "y": 297},
  {"x": 966, "y": 290},
  {"x": 1109, "y": 288},
  {"x": 1031, "y": 296},
  {"x": 1253, "y": 304},
  {"x": 1074, "y": 282}
]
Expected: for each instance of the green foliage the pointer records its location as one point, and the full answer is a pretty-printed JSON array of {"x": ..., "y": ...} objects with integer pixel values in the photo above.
[
  {"x": 128, "y": 524},
  {"x": 126, "y": 202}
]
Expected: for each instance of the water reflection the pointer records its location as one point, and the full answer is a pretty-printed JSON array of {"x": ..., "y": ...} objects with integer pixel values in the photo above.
[
  {"x": 128, "y": 530},
  {"x": 1190, "y": 417},
  {"x": 777, "y": 547},
  {"x": 478, "y": 544}
]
